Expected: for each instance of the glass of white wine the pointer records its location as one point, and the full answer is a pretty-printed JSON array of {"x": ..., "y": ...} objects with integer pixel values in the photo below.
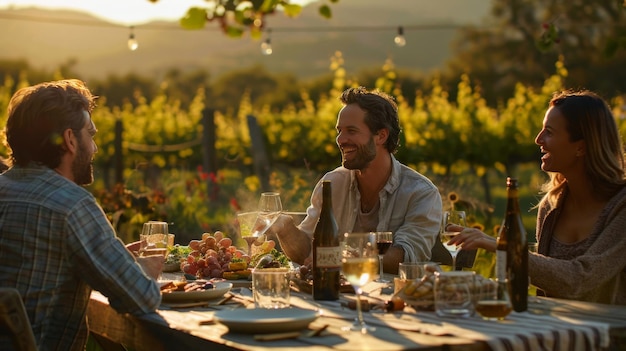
[
  {"x": 359, "y": 265},
  {"x": 270, "y": 207},
  {"x": 452, "y": 217}
]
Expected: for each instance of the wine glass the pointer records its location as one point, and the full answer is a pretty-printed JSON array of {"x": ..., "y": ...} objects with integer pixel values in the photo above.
[
  {"x": 532, "y": 290},
  {"x": 359, "y": 265},
  {"x": 154, "y": 236},
  {"x": 383, "y": 242},
  {"x": 269, "y": 208},
  {"x": 452, "y": 217}
]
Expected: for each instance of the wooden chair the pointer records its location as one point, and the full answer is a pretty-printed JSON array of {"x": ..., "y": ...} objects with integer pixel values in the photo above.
[
  {"x": 464, "y": 259},
  {"x": 14, "y": 320}
]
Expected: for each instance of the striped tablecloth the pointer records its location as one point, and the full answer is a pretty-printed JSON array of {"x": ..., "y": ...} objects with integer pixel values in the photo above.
[
  {"x": 539, "y": 329},
  {"x": 518, "y": 332}
]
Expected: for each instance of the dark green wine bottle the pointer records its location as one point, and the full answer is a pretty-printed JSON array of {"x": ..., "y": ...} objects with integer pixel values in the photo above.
[
  {"x": 326, "y": 251},
  {"x": 514, "y": 234}
]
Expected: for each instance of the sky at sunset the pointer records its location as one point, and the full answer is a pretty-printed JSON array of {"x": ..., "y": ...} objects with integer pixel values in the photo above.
[{"x": 124, "y": 12}]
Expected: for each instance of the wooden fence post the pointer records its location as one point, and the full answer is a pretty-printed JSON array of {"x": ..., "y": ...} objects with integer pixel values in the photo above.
[
  {"x": 118, "y": 153},
  {"x": 259, "y": 153},
  {"x": 209, "y": 161}
]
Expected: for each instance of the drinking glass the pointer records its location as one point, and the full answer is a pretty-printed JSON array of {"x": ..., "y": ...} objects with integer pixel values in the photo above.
[
  {"x": 383, "y": 242},
  {"x": 408, "y": 271},
  {"x": 453, "y": 293},
  {"x": 154, "y": 236},
  {"x": 452, "y": 217},
  {"x": 493, "y": 302},
  {"x": 532, "y": 290},
  {"x": 269, "y": 208},
  {"x": 270, "y": 287},
  {"x": 359, "y": 265}
]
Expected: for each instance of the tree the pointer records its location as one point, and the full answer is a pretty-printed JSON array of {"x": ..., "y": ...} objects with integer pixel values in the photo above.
[
  {"x": 235, "y": 16},
  {"x": 522, "y": 40}
]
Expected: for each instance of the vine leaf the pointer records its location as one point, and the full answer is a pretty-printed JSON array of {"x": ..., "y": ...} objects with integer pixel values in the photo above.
[
  {"x": 325, "y": 11},
  {"x": 195, "y": 18}
]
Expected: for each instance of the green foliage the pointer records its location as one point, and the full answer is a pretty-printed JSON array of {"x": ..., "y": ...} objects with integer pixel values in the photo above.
[
  {"x": 235, "y": 16},
  {"x": 521, "y": 40},
  {"x": 548, "y": 38},
  {"x": 459, "y": 141}
]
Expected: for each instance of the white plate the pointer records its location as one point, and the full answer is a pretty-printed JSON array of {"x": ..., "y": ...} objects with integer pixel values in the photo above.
[
  {"x": 241, "y": 283},
  {"x": 260, "y": 320},
  {"x": 198, "y": 295}
]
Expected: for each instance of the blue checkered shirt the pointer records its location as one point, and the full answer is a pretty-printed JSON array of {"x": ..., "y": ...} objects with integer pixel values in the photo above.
[{"x": 56, "y": 245}]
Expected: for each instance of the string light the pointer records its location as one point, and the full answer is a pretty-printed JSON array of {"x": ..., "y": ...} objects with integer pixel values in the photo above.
[
  {"x": 399, "y": 39},
  {"x": 132, "y": 42},
  {"x": 266, "y": 46}
]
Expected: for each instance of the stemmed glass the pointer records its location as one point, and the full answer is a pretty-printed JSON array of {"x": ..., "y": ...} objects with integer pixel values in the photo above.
[
  {"x": 359, "y": 265},
  {"x": 154, "y": 236},
  {"x": 383, "y": 242},
  {"x": 452, "y": 217},
  {"x": 269, "y": 208}
]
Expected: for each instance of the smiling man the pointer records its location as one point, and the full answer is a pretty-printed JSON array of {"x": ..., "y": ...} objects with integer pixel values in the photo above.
[
  {"x": 56, "y": 243},
  {"x": 372, "y": 191}
]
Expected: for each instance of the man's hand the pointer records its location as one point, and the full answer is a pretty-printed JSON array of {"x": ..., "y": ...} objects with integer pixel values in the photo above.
[
  {"x": 295, "y": 244},
  {"x": 134, "y": 247},
  {"x": 152, "y": 265}
]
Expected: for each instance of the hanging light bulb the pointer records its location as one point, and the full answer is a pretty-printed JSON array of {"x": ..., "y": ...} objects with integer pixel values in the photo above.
[
  {"x": 399, "y": 39},
  {"x": 266, "y": 46},
  {"x": 132, "y": 42}
]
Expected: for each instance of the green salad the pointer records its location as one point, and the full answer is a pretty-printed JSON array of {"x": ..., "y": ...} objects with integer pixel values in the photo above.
[
  {"x": 280, "y": 260},
  {"x": 177, "y": 253}
]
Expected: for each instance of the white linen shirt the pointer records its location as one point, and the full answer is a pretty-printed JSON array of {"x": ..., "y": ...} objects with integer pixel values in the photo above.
[{"x": 410, "y": 207}]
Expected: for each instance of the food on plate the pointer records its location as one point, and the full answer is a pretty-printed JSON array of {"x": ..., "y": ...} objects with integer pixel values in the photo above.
[
  {"x": 278, "y": 259},
  {"x": 184, "y": 286},
  {"x": 236, "y": 275},
  {"x": 175, "y": 256},
  {"x": 238, "y": 266},
  {"x": 419, "y": 293},
  {"x": 304, "y": 280},
  {"x": 176, "y": 285},
  {"x": 214, "y": 256},
  {"x": 211, "y": 255}
]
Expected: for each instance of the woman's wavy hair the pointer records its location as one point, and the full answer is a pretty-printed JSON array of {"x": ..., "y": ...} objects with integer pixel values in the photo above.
[
  {"x": 381, "y": 112},
  {"x": 589, "y": 118},
  {"x": 37, "y": 117}
]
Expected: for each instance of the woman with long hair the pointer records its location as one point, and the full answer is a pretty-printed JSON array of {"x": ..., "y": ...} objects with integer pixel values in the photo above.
[{"x": 581, "y": 218}]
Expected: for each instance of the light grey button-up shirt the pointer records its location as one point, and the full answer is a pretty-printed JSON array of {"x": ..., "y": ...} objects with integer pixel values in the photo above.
[{"x": 410, "y": 207}]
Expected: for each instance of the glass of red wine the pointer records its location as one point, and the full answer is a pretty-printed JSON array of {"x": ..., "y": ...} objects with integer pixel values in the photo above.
[{"x": 383, "y": 242}]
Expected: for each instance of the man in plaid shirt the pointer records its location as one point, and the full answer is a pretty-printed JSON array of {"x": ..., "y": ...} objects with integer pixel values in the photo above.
[{"x": 56, "y": 243}]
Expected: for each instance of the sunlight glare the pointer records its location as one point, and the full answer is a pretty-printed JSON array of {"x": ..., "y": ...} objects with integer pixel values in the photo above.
[{"x": 124, "y": 12}]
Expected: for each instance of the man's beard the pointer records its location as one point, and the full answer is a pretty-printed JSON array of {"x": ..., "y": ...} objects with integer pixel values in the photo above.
[
  {"x": 364, "y": 155},
  {"x": 82, "y": 169}
]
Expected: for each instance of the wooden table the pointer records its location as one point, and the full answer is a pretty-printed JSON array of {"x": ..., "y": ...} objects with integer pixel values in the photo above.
[{"x": 191, "y": 328}]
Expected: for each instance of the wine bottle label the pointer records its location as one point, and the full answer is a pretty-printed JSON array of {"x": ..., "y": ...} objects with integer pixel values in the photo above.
[
  {"x": 328, "y": 257},
  {"x": 501, "y": 264}
]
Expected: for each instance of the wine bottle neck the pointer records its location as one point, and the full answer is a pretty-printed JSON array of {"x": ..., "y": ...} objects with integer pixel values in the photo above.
[{"x": 327, "y": 202}]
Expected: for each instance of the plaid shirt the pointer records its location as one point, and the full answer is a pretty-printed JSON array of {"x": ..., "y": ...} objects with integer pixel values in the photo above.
[{"x": 56, "y": 244}]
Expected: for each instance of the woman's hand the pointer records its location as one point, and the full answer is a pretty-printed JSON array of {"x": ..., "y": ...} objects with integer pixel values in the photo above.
[{"x": 471, "y": 238}]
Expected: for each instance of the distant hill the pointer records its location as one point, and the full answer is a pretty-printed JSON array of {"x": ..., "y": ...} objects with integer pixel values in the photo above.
[{"x": 302, "y": 46}]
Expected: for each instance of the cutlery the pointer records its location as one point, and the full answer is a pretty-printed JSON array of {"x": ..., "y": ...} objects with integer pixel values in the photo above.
[
  {"x": 185, "y": 305},
  {"x": 291, "y": 335}
]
